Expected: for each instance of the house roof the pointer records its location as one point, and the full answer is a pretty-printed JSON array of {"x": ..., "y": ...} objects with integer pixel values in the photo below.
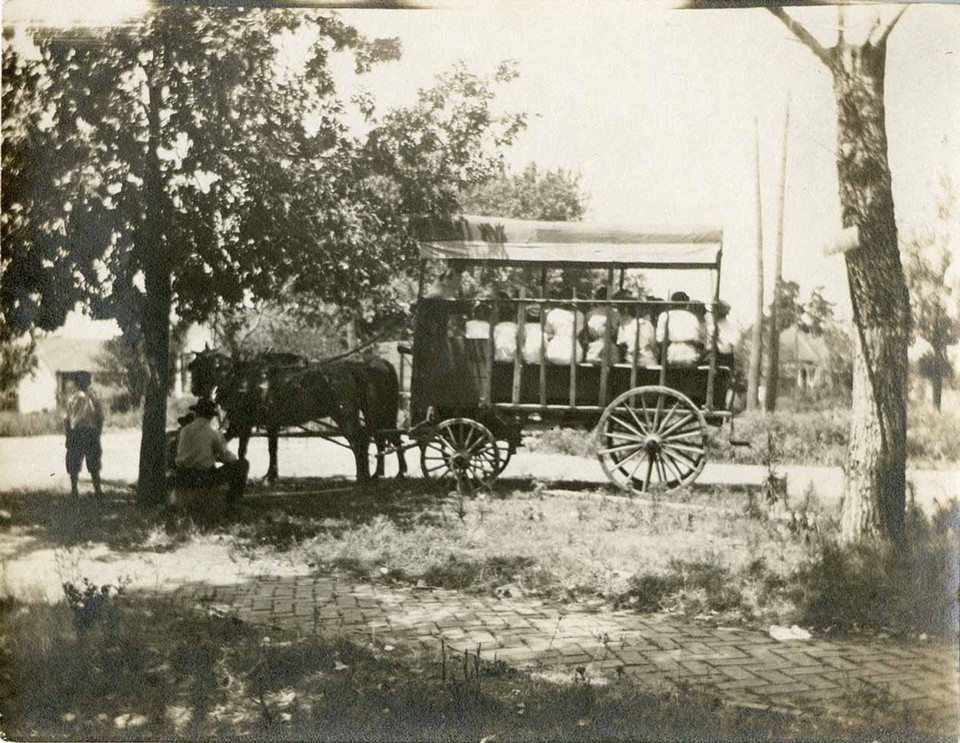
[
  {"x": 806, "y": 348},
  {"x": 69, "y": 354}
]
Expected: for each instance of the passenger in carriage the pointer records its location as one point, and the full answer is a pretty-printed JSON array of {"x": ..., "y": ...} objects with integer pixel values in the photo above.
[
  {"x": 636, "y": 332},
  {"x": 563, "y": 327},
  {"x": 447, "y": 286},
  {"x": 597, "y": 327},
  {"x": 727, "y": 335},
  {"x": 505, "y": 331},
  {"x": 478, "y": 326},
  {"x": 685, "y": 331},
  {"x": 534, "y": 337}
]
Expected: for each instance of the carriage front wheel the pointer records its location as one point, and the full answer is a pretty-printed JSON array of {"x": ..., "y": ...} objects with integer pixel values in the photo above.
[
  {"x": 463, "y": 451},
  {"x": 652, "y": 437}
]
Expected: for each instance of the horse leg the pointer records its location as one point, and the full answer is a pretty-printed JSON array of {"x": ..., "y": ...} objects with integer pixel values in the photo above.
[
  {"x": 401, "y": 456},
  {"x": 380, "y": 443},
  {"x": 273, "y": 437},
  {"x": 242, "y": 442}
]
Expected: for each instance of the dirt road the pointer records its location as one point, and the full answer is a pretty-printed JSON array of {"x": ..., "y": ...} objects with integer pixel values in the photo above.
[{"x": 37, "y": 462}]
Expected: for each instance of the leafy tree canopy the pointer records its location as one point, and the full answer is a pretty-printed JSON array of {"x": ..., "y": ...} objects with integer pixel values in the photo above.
[
  {"x": 266, "y": 194},
  {"x": 552, "y": 195}
]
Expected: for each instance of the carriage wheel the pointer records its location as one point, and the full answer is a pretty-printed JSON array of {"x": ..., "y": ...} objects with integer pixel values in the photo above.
[
  {"x": 652, "y": 437},
  {"x": 462, "y": 450}
]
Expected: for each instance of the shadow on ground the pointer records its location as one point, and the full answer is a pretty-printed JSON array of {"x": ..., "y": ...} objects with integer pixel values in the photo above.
[{"x": 291, "y": 509}]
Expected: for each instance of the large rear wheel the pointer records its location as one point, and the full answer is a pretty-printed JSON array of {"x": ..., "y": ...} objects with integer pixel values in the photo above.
[
  {"x": 652, "y": 438},
  {"x": 463, "y": 451}
]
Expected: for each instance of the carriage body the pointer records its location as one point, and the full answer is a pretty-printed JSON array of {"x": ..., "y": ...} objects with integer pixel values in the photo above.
[{"x": 456, "y": 377}]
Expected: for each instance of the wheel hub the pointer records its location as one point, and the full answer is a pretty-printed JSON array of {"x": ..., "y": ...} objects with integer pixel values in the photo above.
[{"x": 652, "y": 444}]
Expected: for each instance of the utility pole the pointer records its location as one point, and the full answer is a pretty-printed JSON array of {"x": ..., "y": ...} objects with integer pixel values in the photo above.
[
  {"x": 756, "y": 342},
  {"x": 773, "y": 353}
]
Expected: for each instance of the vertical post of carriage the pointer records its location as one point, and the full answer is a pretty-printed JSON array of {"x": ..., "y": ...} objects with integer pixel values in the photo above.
[
  {"x": 573, "y": 354},
  {"x": 518, "y": 353},
  {"x": 665, "y": 344},
  {"x": 712, "y": 373},
  {"x": 543, "y": 344},
  {"x": 607, "y": 331},
  {"x": 492, "y": 318},
  {"x": 635, "y": 310}
]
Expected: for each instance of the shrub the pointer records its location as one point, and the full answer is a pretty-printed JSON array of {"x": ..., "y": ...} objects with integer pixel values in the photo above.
[{"x": 870, "y": 586}]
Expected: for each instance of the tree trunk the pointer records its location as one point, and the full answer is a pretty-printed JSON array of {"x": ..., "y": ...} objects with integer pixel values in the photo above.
[
  {"x": 151, "y": 485},
  {"x": 772, "y": 388},
  {"x": 874, "y": 494},
  {"x": 939, "y": 361},
  {"x": 756, "y": 338}
]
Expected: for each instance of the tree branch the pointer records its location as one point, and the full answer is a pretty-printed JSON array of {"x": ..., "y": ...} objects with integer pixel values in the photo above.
[
  {"x": 886, "y": 32},
  {"x": 802, "y": 34}
]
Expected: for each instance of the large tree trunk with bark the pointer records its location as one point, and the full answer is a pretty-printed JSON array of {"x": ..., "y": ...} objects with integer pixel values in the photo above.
[
  {"x": 874, "y": 495},
  {"x": 151, "y": 484}
]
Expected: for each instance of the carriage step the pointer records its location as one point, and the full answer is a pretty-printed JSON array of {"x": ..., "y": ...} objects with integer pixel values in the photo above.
[{"x": 741, "y": 442}]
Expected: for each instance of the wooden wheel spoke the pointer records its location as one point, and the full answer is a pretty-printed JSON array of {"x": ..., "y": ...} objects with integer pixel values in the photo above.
[
  {"x": 684, "y": 447},
  {"x": 628, "y": 427},
  {"x": 619, "y": 463},
  {"x": 669, "y": 462},
  {"x": 694, "y": 434},
  {"x": 666, "y": 419},
  {"x": 678, "y": 425},
  {"x": 691, "y": 462},
  {"x": 643, "y": 406},
  {"x": 644, "y": 427},
  {"x": 626, "y": 437},
  {"x": 621, "y": 447}
]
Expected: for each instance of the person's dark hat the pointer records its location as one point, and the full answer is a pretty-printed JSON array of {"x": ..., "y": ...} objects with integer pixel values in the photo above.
[
  {"x": 185, "y": 419},
  {"x": 205, "y": 408}
]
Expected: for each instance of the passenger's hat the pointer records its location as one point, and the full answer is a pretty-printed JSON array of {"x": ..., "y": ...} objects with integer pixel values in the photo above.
[{"x": 205, "y": 408}]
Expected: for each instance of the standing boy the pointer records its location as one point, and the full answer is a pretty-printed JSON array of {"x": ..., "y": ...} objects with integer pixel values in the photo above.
[{"x": 84, "y": 425}]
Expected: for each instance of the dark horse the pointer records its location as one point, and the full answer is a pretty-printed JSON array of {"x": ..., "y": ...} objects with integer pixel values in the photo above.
[{"x": 273, "y": 391}]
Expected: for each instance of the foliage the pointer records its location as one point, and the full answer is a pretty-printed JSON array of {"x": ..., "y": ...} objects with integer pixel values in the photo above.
[
  {"x": 17, "y": 360},
  {"x": 238, "y": 221},
  {"x": 869, "y": 586},
  {"x": 123, "y": 365},
  {"x": 47, "y": 422},
  {"x": 810, "y": 432},
  {"x": 551, "y": 195},
  {"x": 93, "y": 605}
]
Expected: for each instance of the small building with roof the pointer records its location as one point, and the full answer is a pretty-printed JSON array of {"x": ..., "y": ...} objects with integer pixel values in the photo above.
[{"x": 58, "y": 360}]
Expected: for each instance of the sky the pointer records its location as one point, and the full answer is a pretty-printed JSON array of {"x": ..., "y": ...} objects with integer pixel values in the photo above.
[{"x": 655, "y": 109}]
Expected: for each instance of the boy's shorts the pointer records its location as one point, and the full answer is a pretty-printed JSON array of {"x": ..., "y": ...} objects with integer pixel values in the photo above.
[{"x": 83, "y": 444}]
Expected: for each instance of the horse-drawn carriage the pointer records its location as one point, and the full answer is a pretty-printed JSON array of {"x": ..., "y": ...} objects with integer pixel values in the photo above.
[
  {"x": 651, "y": 418},
  {"x": 469, "y": 403}
]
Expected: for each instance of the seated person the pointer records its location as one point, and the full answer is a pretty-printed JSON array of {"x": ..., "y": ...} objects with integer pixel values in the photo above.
[
  {"x": 597, "y": 327},
  {"x": 200, "y": 447},
  {"x": 563, "y": 326},
  {"x": 534, "y": 338},
  {"x": 685, "y": 331},
  {"x": 727, "y": 335},
  {"x": 505, "y": 331},
  {"x": 636, "y": 335},
  {"x": 478, "y": 326}
]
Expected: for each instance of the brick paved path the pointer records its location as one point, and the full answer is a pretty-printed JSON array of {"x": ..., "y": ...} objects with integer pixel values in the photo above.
[{"x": 742, "y": 666}]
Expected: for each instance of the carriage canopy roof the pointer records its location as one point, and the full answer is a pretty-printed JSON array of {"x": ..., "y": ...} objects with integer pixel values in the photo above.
[{"x": 515, "y": 241}]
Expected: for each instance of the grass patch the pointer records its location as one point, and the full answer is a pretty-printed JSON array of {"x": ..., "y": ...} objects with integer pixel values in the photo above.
[
  {"x": 876, "y": 587},
  {"x": 151, "y": 670},
  {"x": 47, "y": 422}
]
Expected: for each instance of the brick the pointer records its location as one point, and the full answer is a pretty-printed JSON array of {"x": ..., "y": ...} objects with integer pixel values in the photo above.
[
  {"x": 775, "y": 677},
  {"x": 777, "y": 689},
  {"x": 739, "y": 674}
]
